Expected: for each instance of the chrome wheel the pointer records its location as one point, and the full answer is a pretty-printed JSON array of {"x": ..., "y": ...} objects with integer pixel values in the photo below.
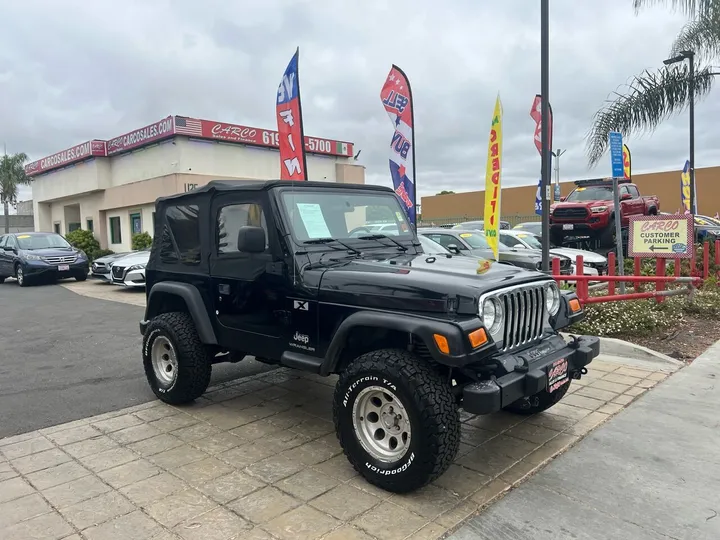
[
  {"x": 164, "y": 361},
  {"x": 381, "y": 424},
  {"x": 20, "y": 275}
]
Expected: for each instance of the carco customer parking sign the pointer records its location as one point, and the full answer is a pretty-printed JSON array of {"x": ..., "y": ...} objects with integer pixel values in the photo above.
[{"x": 665, "y": 236}]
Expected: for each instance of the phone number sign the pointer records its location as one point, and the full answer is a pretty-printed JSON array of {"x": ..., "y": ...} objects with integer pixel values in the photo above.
[{"x": 665, "y": 236}]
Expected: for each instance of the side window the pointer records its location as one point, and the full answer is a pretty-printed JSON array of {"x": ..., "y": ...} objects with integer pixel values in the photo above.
[
  {"x": 11, "y": 242},
  {"x": 623, "y": 190},
  {"x": 446, "y": 240},
  {"x": 634, "y": 192},
  {"x": 234, "y": 216},
  {"x": 184, "y": 229},
  {"x": 2, "y": 241},
  {"x": 509, "y": 240}
]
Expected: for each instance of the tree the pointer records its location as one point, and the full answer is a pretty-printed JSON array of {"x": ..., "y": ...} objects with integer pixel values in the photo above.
[
  {"x": 12, "y": 175},
  {"x": 651, "y": 97},
  {"x": 445, "y": 192}
]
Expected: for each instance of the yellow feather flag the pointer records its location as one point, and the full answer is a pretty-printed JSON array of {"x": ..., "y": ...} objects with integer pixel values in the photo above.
[{"x": 493, "y": 174}]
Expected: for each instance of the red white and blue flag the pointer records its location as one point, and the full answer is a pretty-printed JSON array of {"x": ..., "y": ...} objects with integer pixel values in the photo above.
[
  {"x": 288, "y": 110},
  {"x": 397, "y": 100}
]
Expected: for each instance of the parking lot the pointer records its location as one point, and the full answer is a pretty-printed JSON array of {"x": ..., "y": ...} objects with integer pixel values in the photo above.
[{"x": 256, "y": 456}]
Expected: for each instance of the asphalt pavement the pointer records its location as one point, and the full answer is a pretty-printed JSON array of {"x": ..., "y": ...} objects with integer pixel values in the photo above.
[
  {"x": 64, "y": 357},
  {"x": 650, "y": 473}
]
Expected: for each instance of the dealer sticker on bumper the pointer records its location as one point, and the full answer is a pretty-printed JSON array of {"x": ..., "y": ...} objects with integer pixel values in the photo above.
[{"x": 557, "y": 374}]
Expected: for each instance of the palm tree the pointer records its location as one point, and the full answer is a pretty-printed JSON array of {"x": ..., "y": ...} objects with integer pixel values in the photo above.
[
  {"x": 651, "y": 97},
  {"x": 12, "y": 175}
]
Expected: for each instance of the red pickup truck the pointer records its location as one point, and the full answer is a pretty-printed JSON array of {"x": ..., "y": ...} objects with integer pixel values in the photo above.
[{"x": 589, "y": 210}]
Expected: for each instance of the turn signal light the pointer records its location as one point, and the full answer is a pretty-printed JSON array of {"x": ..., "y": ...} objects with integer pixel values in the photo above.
[
  {"x": 477, "y": 338},
  {"x": 575, "y": 305},
  {"x": 442, "y": 343}
]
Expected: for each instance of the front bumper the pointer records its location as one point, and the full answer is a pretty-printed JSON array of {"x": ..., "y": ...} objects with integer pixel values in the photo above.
[
  {"x": 41, "y": 269},
  {"x": 133, "y": 278},
  {"x": 530, "y": 375}
]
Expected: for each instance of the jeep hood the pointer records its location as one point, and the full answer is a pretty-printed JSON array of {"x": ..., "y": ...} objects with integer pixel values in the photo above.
[{"x": 431, "y": 283}]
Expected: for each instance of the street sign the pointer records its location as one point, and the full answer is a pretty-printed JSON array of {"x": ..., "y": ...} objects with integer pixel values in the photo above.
[
  {"x": 616, "y": 154},
  {"x": 664, "y": 237}
]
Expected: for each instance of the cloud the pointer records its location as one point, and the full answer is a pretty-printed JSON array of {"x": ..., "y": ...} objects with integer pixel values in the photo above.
[{"x": 75, "y": 70}]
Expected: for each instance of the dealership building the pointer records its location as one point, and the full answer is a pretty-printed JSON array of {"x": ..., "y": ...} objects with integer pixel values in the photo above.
[{"x": 110, "y": 186}]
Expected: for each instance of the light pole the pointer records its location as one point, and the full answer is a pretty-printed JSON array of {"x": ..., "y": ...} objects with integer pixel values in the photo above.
[
  {"x": 544, "y": 131},
  {"x": 690, "y": 56},
  {"x": 556, "y": 154}
]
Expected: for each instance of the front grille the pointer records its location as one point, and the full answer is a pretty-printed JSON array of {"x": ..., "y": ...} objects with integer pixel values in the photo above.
[
  {"x": 118, "y": 271},
  {"x": 60, "y": 260},
  {"x": 524, "y": 315},
  {"x": 571, "y": 212}
]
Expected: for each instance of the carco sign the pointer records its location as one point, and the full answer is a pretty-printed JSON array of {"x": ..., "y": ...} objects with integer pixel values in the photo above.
[{"x": 665, "y": 236}]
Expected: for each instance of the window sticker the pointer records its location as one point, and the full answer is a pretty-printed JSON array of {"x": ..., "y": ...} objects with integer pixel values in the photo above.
[
  {"x": 24, "y": 236},
  {"x": 313, "y": 219},
  {"x": 465, "y": 235}
]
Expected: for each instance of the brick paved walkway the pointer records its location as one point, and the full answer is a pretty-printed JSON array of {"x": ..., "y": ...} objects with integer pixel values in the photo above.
[{"x": 258, "y": 459}]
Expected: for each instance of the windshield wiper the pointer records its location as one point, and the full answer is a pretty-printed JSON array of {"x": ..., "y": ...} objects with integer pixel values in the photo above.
[
  {"x": 383, "y": 237},
  {"x": 330, "y": 240}
]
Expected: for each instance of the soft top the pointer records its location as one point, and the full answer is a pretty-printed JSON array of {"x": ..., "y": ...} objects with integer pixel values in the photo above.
[{"x": 259, "y": 185}]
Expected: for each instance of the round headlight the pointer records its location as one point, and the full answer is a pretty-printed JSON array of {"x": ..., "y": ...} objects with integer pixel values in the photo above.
[
  {"x": 552, "y": 298},
  {"x": 492, "y": 315}
]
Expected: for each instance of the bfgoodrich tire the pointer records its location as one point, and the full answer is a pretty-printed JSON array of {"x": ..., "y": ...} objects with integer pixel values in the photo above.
[
  {"x": 177, "y": 365},
  {"x": 540, "y": 402},
  {"x": 396, "y": 420}
]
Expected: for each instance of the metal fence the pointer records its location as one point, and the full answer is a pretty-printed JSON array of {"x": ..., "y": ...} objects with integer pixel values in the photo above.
[{"x": 449, "y": 222}]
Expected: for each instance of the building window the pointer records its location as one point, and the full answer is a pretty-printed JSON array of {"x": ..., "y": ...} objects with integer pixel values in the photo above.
[
  {"x": 135, "y": 223},
  {"x": 115, "y": 234},
  {"x": 231, "y": 218},
  {"x": 184, "y": 223},
  {"x": 90, "y": 225},
  {"x": 56, "y": 227},
  {"x": 73, "y": 227}
]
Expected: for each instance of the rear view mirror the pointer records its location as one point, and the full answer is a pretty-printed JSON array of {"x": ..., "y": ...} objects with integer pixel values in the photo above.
[{"x": 251, "y": 240}]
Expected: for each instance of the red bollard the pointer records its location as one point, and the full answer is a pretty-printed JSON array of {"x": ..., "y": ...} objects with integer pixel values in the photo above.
[
  {"x": 611, "y": 272},
  {"x": 637, "y": 265},
  {"x": 555, "y": 263},
  {"x": 706, "y": 260},
  {"x": 677, "y": 266},
  {"x": 693, "y": 262},
  {"x": 582, "y": 285},
  {"x": 660, "y": 285}
]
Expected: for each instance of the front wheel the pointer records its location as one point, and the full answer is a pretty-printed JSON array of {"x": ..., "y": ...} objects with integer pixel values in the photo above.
[
  {"x": 396, "y": 420},
  {"x": 177, "y": 364},
  {"x": 20, "y": 276},
  {"x": 81, "y": 277}
]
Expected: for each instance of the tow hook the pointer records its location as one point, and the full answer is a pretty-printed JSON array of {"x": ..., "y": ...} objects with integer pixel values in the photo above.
[
  {"x": 578, "y": 373},
  {"x": 575, "y": 343},
  {"x": 522, "y": 368}
]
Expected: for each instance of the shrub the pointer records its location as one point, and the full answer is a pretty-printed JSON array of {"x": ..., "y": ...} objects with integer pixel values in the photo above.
[
  {"x": 86, "y": 241},
  {"x": 141, "y": 240}
]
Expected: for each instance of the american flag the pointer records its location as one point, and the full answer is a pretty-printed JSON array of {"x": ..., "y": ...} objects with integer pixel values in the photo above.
[{"x": 188, "y": 126}]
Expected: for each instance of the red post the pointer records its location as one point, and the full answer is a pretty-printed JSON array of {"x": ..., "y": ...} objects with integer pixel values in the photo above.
[
  {"x": 677, "y": 266},
  {"x": 660, "y": 285},
  {"x": 611, "y": 272},
  {"x": 717, "y": 256},
  {"x": 706, "y": 260},
  {"x": 693, "y": 262},
  {"x": 582, "y": 285},
  {"x": 555, "y": 266},
  {"x": 637, "y": 264}
]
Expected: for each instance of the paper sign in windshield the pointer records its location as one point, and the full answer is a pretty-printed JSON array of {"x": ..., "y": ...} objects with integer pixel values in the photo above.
[{"x": 314, "y": 221}]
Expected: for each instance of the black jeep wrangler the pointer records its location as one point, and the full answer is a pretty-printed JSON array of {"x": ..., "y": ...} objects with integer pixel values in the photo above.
[{"x": 294, "y": 273}]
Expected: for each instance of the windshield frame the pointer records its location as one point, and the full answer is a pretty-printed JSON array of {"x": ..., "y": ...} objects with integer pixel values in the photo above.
[
  {"x": 19, "y": 238},
  {"x": 281, "y": 194}
]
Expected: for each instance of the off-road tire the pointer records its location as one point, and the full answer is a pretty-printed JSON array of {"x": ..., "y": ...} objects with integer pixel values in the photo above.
[
  {"x": 607, "y": 236},
  {"x": 431, "y": 408},
  {"x": 193, "y": 358},
  {"x": 540, "y": 402}
]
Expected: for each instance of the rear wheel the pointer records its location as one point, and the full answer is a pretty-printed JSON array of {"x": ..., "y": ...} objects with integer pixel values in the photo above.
[
  {"x": 2, "y": 279},
  {"x": 396, "y": 420},
  {"x": 177, "y": 364}
]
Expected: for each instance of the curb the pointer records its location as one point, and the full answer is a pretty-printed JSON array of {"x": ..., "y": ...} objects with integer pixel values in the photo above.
[{"x": 621, "y": 349}]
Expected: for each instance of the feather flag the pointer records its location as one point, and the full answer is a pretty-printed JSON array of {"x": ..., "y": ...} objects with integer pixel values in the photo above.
[
  {"x": 288, "y": 109},
  {"x": 493, "y": 173}
]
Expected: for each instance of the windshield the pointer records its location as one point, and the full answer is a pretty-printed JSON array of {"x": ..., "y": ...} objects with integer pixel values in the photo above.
[
  {"x": 706, "y": 221},
  {"x": 474, "y": 240},
  {"x": 531, "y": 240},
  {"x": 594, "y": 193},
  {"x": 41, "y": 241},
  {"x": 343, "y": 214}
]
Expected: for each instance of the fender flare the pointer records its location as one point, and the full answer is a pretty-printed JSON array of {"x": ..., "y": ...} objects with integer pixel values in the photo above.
[
  {"x": 194, "y": 302},
  {"x": 424, "y": 328}
]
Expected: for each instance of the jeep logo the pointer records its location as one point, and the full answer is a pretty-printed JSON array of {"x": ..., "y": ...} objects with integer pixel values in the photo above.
[{"x": 301, "y": 338}]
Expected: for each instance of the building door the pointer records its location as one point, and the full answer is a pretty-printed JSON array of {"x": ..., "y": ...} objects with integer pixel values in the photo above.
[{"x": 135, "y": 223}]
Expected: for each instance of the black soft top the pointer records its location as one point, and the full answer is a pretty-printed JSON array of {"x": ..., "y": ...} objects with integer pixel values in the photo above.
[{"x": 214, "y": 186}]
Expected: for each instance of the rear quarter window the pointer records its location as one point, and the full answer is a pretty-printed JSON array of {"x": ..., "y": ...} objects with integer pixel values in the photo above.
[{"x": 180, "y": 238}]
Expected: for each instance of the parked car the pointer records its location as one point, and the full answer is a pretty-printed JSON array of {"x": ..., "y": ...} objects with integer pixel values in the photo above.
[
  {"x": 384, "y": 228},
  {"x": 31, "y": 256},
  {"x": 100, "y": 267},
  {"x": 534, "y": 227},
  {"x": 474, "y": 244},
  {"x": 129, "y": 271},
  {"x": 478, "y": 225},
  {"x": 594, "y": 263},
  {"x": 412, "y": 337},
  {"x": 589, "y": 210}
]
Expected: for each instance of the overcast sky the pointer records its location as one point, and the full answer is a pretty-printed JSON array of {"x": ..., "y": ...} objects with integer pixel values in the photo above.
[{"x": 74, "y": 70}]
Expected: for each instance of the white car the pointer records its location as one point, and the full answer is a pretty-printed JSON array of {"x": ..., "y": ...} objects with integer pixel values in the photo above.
[
  {"x": 594, "y": 264},
  {"x": 129, "y": 271}
]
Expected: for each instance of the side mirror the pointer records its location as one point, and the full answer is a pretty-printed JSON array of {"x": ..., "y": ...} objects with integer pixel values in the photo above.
[
  {"x": 251, "y": 240},
  {"x": 625, "y": 197},
  {"x": 562, "y": 199},
  {"x": 452, "y": 248},
  {"x": 8, "y": 248}
]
